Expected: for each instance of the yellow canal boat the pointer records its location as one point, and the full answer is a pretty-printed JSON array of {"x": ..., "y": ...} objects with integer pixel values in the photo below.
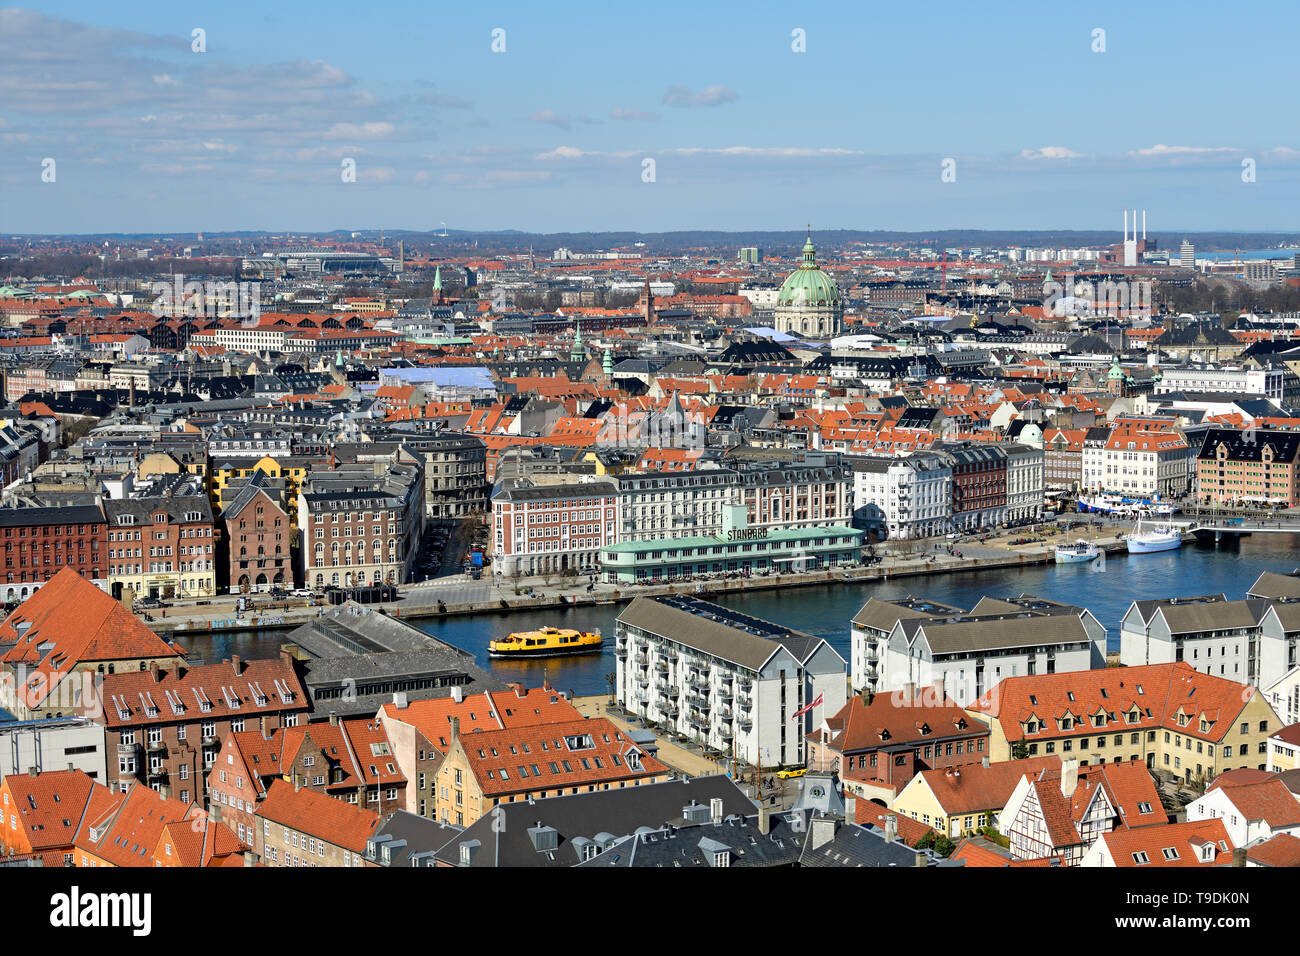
[{"x": 545, "y": 642}]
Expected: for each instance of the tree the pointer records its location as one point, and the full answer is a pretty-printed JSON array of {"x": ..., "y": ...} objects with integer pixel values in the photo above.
[{"x": 1019, "y": 751}]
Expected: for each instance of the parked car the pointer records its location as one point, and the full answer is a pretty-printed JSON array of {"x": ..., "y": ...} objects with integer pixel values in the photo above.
[{"x": 303, "y": 592}]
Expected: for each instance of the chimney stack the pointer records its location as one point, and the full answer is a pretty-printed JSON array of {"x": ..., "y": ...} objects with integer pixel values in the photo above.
[
  {"x": 457, "y": 693},
  {"x": 154, "y": 672},
  {"x": 236, "y": 664},
  {"x": 33, "y": 772},
  {"x": 764, "y": 820},
  {"x": 455, "y": 728},
  {"x": 715, "y": 810},
  {"x": 921, "y": 859},
  {"x": 214, "y": 814},
  {"x": 984, "y": 761},
  {"x": 334, "y": 719},
  {"x": 891, "y": 828},
  {"x": 1069, "y": 777},
  {"x": 251, "y": 858},
  {"x": 1239, "y": 856}
]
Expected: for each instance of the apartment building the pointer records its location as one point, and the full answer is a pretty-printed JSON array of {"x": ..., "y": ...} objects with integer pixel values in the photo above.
[
  {"x": 361, "y": 523},
  {"x": 869, "y": 633},
  {"x": 1252, "y": 465},
  {"x": 1209, "y": 632},
  {"x": 258, "y": 533},
  {"x": 299, "y": 827},
  {"x": 1025, "y": 482},
  {"x": 971, "y": 653},
  {"x": 734, "y": 683},
  {"x": 39, "y": 542},
  {"x": 1170, "y": 716},
  {"x": 419, "y": 730},
  {"x": 979, "y": 485},
  {"x": 1139, "y": 457},
  {"x": 542, "y": 528},
  {"x": 903, "y": 498},
  {"x": 455, "y": 473},
  {"x": 164, "y": 725},
  {"x": 660, "y": 505},
  {"x": 161, "y": 541},
  {"x": 489, "y": 767}
]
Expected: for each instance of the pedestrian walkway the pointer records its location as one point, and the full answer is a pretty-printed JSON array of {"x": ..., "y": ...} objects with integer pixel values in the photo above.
[{"x": 680, "y": 759}]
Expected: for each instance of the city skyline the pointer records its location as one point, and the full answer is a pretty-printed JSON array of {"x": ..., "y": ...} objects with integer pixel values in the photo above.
[{"x": 1015, "y": 118}]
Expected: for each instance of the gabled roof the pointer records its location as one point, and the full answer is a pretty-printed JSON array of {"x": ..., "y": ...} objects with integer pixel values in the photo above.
[
  {"x": 1185, "y": 839},
  {"x": 328, "y": 819},
  {"x": 67, "y": 622}
]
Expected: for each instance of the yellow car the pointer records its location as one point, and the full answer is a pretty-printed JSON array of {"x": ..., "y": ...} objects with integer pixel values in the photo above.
[{"x": 793, "y": 772}]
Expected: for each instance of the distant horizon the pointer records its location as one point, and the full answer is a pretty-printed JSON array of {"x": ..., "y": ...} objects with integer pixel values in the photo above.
[{"x": 148, "y": 117}]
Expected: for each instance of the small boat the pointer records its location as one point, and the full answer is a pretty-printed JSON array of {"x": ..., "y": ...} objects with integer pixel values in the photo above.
[
  {"x": 1076, "y": 553},
  {"x": 545, "y": 642},
  {"x": 1165, "y": 537}
]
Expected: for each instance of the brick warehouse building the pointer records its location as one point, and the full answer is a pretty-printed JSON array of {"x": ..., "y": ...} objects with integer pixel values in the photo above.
[
  {"x": 39, "y": 542},
  {"x": 165, "y": 725}
]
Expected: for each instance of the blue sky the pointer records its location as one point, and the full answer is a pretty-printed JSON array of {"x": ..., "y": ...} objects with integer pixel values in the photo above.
[{"x": 553, "y": 133}]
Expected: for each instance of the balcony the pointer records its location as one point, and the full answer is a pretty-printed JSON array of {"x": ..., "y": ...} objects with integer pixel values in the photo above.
[
  {"x": 746, "y": 683},
  {"x": 620, "y": 652},
  {"x": 725, "y": 693},
  {"x": 699, "y": 721},
  {"x": 670, "y": 709},
  {"x": 661, "y": 666},
  {"x": 726, "y": 714},
  {"x": 156, "y": 745},
  {"x": 642, "y": 658},
  {"x": 126, "y": 750},
  {"x": 643, "y": 681},
  {"x": 641, "y": 697},
  {"x": 700, "y": 703},
  {"x": 745, "y": 723},
  {"x": 746, "y": 702},
  {"x": 158, "y": 773}
]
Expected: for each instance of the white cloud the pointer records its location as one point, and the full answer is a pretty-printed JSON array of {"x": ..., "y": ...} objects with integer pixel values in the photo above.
[
  {"x": 710, "y": 96},
  {"x": 355, "y": 131},
  {"x": 1050, "y": 152},
  {"x": 565, "y": 152},
  {"x": 638, "y": 115},
  {"x": 166, "y": 79},
  {"x": 1160, "y": 149}
]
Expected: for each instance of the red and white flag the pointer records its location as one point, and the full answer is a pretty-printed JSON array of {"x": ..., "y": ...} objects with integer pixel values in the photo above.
[{"x": 803, "y": 710}]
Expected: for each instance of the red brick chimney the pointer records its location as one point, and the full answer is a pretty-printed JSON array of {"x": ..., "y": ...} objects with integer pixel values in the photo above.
[
  {"x": 155, "y": 672},
  {"x": 236, "y": 664}
]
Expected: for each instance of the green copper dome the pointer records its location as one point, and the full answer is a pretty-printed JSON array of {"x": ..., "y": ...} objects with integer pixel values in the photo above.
[
  {"x": 808, "y": 286},
  {"x": 1116, "y": 373}
]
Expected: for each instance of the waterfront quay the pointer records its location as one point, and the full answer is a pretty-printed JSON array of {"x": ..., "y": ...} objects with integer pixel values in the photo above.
[{"x": 460, "y": 595}]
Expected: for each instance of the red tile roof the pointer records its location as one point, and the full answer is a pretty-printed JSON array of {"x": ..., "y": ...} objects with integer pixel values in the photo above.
[
  {"x": 325, "y": 818},
  {"x": 72, "y": 622},
  {"x": 493, "y": 751},
  {"x": 519, "y": 707},
  {"x": 1156, "y": 692},
  {"x": 1269, "y": 801},
  {"x": 174, "y": 694},
  {"x": 48, "y": 807},
  {"x": 1185, "y": 839},
  {"x": 973, "y": 788},
  {"x": 1281, "y": 850},
  {"x": 133, "y": 833}
]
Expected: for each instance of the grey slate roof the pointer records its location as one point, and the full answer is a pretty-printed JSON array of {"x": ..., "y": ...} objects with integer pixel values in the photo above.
[
  {"x": 502, "y": 837},
  {"x": 716, "y": 630}
]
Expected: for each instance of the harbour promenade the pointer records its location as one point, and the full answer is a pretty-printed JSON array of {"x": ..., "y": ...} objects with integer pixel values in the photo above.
[{"x": 456, "y": 595}]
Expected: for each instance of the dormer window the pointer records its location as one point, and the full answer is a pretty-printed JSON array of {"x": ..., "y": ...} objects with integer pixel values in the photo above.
[{"x": 1207, "y": 853}]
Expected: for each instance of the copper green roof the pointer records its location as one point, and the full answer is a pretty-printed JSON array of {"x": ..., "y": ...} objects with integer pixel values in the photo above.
[{"x": 808, "y": 285}]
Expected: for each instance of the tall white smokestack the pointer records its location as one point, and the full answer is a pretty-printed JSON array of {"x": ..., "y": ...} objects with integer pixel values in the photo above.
[
  {"x": 1126, "y": 225},
  {"x": 1144, "y": 225}
]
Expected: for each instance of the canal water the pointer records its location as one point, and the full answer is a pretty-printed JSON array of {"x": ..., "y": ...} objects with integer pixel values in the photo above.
[{"x": 1106, "y": 589}]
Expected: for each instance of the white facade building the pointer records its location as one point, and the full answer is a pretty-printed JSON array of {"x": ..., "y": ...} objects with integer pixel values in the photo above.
[
  {"x": 903, "y": 498},
  {"x": 731, "y": 682}
]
